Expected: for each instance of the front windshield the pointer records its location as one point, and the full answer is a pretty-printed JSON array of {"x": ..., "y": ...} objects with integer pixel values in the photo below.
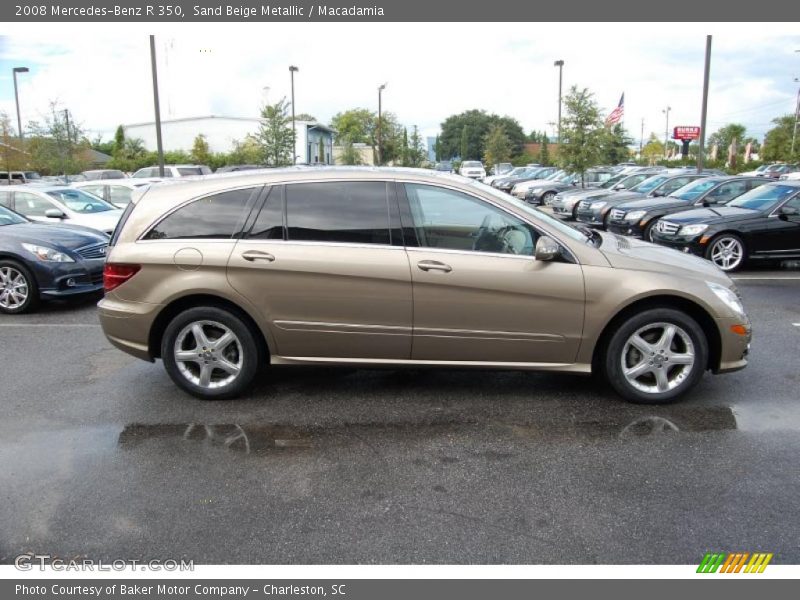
[
  {"x": 649, "y": 184},
  {"x": 691, "y": 191},
  {"x": 517, "y": 171},
  {"x": 9, "y": 217},
  {"x": 536, "y": 214},
  {"x": 80, "y": 202},
  {"x": 764, "y": 197},
  {"x": 471, "y": 163},
  {"x": 556, "y": 175}
]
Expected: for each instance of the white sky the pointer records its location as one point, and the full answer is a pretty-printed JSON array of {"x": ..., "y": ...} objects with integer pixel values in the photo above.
[{"x": 101, "y": 72}]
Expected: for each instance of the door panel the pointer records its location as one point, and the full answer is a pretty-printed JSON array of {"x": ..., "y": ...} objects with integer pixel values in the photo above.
[
  {"x": 479, "y": 294},
  {"x": 328, "y": 300}
]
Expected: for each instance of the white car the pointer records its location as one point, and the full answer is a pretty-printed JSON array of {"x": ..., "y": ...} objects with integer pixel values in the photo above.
[
  {"x": 472, "y": 169},
  {"x": 794, "y": 175},
  {"x": 172, "y": 171},
  {"x": 63, "y": 204},
  {"x": 115, "y": 191}
]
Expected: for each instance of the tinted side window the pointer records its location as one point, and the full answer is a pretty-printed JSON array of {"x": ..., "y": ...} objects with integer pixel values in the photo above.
[
  {"x": 269, "y": 223},
  {"x": 218, "y": 216},
  {"x": 449, "y": 219},
  {"x": 349, "y": 212},
  {"x": 5, "y": 199},
  {"x": 119, "y": 195}
]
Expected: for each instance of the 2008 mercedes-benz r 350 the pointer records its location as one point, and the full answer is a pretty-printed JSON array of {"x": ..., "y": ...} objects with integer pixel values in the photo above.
[{"x": 392, "y": 267}]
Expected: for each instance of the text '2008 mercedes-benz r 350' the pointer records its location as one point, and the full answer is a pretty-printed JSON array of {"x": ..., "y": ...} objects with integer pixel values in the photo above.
[{"x": 393, "y": 267}]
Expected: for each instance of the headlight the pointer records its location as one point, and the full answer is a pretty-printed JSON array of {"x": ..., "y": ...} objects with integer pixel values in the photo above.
[
  {"x": 600, "y": 204},
  {"x": 46, "y": 253},
  {"x": 635, "y": 215},
  {"x": 728, "y": 297},
  {"x": 693, "y": 229}
]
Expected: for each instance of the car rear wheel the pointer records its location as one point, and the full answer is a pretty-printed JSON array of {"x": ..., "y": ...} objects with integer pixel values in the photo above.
[
  {"x": 18, "y": 290},
  {"x": 656, "y": 356},
  {"x": 210, "y": 352},
  {"x": 547, "y": 198},
  {"x": 727, "y": 251}
]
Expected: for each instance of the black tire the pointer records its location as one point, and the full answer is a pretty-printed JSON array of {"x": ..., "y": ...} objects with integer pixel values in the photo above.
[
  {"x": 247, "y": 352},
  {"x": 612, "y": 360},
  {"x": 721, "y": 238},
  {"x": 32, "y": 301},
  {"x": 648, "y": 230},
  {"x": 547, "y": 197}
]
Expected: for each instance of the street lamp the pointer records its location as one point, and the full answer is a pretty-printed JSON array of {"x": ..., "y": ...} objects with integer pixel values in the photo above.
[
  {"x": 292, "y": 71},
  {"x": 560, "y": 65},
  {"x": 666, "y": 129},
  {"x": 380, "y": 91},
  {"x": 16, "y": 98}
]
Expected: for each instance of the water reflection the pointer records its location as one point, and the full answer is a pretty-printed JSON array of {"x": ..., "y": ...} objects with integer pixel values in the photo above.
[{"x": 622, "y": 423}]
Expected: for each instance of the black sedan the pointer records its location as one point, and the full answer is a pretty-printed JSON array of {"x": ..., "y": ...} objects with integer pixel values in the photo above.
[
  {"x": 638, "y": 217},
  {"x": 46, "y": 261},
  {"x": 763, "y": 223},
  {"x": 596, "y": 213}
]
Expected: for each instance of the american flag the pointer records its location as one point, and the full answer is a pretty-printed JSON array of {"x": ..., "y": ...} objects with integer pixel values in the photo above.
[{"x": 617, "y": 114}]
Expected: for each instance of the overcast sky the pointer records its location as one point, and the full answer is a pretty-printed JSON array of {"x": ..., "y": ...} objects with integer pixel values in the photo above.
[{"x": 102, "y": 72}]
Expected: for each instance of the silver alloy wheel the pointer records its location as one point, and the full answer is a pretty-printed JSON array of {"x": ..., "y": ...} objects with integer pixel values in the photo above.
[
  {"x": 208, "y": 354},
  {"x": 13, "y": 288},
  {"x": 657, "y": 358},
  {"x": 727, "y": 253}
]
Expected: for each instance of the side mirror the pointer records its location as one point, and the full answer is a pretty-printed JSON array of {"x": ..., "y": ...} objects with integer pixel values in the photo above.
[
  {"x": 619, "y": 186},
  {"x": 706, "y": 203},
  {"x": 54, "y": 213},
  {"x": 658, "y": 193},
  {"x": 546, "y": 248}
]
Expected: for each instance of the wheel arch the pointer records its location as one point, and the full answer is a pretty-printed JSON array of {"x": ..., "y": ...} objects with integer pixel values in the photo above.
[
  {"x": 691, "y": 308},
  {"x": 178, "y": 305}
]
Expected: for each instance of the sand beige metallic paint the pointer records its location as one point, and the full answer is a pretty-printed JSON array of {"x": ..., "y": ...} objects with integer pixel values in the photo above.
[{"x": 388, "y": 305}]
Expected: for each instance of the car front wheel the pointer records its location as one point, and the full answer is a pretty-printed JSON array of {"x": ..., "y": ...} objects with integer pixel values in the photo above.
[
  {"x": 18, "y": 290},
  {"x": 656, "y": 356},
  {"x": 727, "y": 251},
  {"x": 210, "y": 352}
]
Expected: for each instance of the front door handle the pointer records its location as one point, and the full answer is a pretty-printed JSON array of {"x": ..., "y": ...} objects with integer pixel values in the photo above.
[
  {"x": 434, "y": 265},
  {"x": 254, "y": 255}
]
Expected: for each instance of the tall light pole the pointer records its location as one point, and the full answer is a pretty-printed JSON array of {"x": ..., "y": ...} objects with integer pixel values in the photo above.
[
  {"x": 16, "y": 98},
  {"x": 157, "y": 106},
  {"x": 560, "y": 65},
  {"x": 666, "y": 130},
  {"x": 380, "y": 118},
  {"x": 292, "y": 71},
  {"x": 701, "y": 157}
]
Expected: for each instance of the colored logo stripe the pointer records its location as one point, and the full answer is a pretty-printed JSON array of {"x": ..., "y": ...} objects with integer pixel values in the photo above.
[{"x": 734, "y": 562}]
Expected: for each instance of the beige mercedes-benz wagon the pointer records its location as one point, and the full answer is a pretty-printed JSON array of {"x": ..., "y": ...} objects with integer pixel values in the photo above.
[{"x": 384, "y": 267}]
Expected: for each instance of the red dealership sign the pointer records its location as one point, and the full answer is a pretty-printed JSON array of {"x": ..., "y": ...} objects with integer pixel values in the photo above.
[{"x": 684, "y": 132}]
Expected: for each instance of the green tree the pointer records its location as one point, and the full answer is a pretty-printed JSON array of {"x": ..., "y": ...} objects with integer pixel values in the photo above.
[
  {"x": 404, "y": 157},
  {"x": 615, "y": 145},
  {"x": 201, "y": 153},
  {"x": 653, "y": 150},
  {"x": 476, "y": 123},
  {"x": 437, "y": 149},
  {"x": 497, "y": 146},
  {"x": 321, "y": 150},
  {"x": 58, "y": 144},
  {"x": 275, "y": 136},
  {"x": 724, "y": 137},
  {"x": 582, "y": 132},
  {"x": 544, "y": 150},
  {"x": 13, "y": 156},
  {"x": 245, "y": 152},
  {"x": 415, "y": 151},
  {"x": 119, "y": 139},
  {"x": 778, "y": 141},
  {"x": 349, "y": 154},
  {"x": 305, "y": 117},
  {"x": 356, "y": 125}
]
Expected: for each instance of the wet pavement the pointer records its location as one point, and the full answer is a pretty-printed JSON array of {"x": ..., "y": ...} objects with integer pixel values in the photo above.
[{"x": 103, "y": 457}]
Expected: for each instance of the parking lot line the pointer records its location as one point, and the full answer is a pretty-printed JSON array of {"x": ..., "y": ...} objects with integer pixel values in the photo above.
[{"x": 49, "y": 325}]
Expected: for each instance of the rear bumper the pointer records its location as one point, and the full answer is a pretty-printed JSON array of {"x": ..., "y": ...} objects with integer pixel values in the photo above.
[{"x": 127, "y": 325}]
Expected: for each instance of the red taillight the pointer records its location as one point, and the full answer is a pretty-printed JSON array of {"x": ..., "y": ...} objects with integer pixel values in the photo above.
[{"x": 114, "y": 275}]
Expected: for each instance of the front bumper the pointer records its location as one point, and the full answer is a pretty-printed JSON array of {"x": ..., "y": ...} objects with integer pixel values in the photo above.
[
  {"x": 591, "y": 217},
  {"x": 682, "y": 244},
  {"x": 735, "y": 348},
  {"x": 67, "y": 280},
  {"x": 629, "y": 228}
]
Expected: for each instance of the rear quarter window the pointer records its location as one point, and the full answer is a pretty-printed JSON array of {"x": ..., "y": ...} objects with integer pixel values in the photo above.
[{"x": 217, "y": 216}]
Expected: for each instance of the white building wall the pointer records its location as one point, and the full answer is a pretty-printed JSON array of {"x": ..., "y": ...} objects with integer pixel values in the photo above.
[{"x": 179, "y": 134}]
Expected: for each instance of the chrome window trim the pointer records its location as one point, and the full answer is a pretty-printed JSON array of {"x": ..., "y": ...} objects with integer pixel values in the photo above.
[{"x": 316, "y": 243}]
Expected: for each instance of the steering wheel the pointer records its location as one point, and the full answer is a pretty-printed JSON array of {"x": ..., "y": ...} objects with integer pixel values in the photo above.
[{"x": 479, "y": 233}]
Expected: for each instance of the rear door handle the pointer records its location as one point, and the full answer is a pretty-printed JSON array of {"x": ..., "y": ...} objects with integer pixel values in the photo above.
[
  {"x": 434, "y": 265},
  {"x": 254, "y": 255}
]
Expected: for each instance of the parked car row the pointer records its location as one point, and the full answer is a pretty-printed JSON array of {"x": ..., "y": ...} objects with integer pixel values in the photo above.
[{"x": 728, "y": 220}]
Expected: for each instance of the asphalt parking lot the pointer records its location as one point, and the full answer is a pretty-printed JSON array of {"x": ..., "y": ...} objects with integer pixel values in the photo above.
[{"x": 103, "y": 457}]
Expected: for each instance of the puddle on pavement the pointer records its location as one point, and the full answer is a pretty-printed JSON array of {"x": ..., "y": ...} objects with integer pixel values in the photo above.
[{"x": 264, "y": 438}]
